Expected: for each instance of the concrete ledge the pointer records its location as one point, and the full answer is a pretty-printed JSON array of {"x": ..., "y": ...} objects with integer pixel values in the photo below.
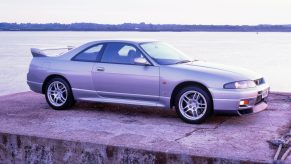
[
  {"x": 31, "y": 149},
  {"x": 30, "y": 132}
]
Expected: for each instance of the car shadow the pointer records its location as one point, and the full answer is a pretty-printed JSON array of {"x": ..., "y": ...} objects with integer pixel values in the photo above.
[{"x": 133, "y": 110}]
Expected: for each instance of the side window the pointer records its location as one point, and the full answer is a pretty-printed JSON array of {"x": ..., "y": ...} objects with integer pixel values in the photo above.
[
  {"x": 120, "y": 53},
  {"x": 125, "y": 50},
  {"x": 90, "y": 54}
]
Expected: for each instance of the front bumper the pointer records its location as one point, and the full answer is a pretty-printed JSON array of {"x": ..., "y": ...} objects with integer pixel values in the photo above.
[{"x": 228, "y": 100}]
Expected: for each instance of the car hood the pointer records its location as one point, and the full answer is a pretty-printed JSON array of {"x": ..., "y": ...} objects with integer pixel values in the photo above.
[{"x": 239, "y": 73}]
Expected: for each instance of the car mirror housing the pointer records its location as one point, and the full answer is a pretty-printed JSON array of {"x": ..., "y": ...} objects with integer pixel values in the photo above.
[{"x": 141, "y": 61}]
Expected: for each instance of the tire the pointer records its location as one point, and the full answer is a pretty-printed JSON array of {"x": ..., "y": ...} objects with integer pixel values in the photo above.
[
  {"x": 58, "y": 94},
  {"x": 196, "y": 107}
]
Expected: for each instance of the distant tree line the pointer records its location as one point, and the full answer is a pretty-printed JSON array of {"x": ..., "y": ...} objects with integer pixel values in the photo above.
[{"x": 141, "y": 27}]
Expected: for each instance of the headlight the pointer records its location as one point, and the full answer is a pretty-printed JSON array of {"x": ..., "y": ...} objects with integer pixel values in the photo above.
[{"x": 240, "y": 84}]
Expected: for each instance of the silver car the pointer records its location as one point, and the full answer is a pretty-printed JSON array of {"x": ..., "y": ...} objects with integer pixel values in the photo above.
[{"x": 148, "y": 73}]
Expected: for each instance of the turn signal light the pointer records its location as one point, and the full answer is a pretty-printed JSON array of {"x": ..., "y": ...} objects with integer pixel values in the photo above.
[{"x": 244, "y": 102}]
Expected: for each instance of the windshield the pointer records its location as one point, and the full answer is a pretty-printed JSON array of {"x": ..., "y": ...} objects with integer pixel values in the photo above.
[{"x": 164, "y": 54}]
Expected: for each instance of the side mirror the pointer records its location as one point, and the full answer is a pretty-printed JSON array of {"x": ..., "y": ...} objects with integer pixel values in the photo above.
[{"x": 141, "y": 61}]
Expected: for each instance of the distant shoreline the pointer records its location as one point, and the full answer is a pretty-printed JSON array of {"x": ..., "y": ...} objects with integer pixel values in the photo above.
[
  {"x": 141, "y": 27},
  {"x": 142, "y": 31}
]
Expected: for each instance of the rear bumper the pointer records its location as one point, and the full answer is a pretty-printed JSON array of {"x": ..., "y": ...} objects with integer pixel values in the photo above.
[
  {"x": 34, "y": 86},
  {"x": 228, "y": 100}
]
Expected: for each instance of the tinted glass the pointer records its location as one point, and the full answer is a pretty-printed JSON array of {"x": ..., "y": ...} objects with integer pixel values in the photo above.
[
  {"x": 90, "y": 54},
  {"x": 120, "y": 53}
]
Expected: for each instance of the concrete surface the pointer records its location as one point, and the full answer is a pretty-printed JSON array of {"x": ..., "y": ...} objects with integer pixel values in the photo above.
[{"x": 31, "y": 132}]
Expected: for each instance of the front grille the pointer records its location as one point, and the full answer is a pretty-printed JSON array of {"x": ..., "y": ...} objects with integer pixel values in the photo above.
[{"x": 259, "y": 81}]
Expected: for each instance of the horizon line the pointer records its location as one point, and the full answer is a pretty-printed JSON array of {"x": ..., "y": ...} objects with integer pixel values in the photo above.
[{"x": 263, "y": 24}]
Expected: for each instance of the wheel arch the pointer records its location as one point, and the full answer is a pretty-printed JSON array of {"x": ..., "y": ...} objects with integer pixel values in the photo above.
[
  {"x": 187, "y": 84},
  {"x": 48, "y": 78}
]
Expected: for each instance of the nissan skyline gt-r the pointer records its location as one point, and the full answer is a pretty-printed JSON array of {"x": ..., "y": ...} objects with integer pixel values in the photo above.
[{"x": 147, "y": 73}]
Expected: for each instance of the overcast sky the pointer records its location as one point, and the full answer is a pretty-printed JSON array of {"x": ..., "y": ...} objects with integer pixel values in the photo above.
[{"x": 149, "y": 11}]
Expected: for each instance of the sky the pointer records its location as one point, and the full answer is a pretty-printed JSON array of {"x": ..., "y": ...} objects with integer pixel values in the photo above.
[{"x": 218, "y": 12}]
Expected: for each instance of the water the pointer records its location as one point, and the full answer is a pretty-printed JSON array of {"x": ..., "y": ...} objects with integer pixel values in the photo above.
[{"x": 266, "y": 53}]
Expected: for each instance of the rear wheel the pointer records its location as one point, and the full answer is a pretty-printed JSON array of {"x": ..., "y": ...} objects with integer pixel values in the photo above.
[
  {"x": 193, "y": 104},
  {"x": 59, "y": 94}
]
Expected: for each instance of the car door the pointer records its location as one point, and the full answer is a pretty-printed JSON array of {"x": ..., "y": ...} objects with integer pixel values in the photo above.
[
  {"x": 117, "y": 76},
  {"x": 79, "y": 71}
]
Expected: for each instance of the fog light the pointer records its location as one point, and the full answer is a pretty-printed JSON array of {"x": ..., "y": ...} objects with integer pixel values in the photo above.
[{"x": 244, "y": 102}]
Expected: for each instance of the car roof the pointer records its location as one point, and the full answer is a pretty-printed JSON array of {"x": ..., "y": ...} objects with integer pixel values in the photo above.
[
  {"x": 131, "y": 41},
  {"x": 68, "y": 55}
]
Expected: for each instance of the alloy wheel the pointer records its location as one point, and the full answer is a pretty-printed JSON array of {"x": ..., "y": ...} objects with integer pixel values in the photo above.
[
  {"x": 192, "y": 105},
  {"x": 57, "y": 93}
]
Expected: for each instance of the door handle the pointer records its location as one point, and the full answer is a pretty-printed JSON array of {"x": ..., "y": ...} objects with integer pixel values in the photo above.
[{"x": 100, "y": 69}]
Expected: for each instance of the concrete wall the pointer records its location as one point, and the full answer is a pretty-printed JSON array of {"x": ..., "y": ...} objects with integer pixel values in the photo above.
[{"x": 34, "y": 150}]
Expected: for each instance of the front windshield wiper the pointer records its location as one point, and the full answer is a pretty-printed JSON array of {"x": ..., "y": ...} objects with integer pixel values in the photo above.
[{"x": 184, "y": 61}]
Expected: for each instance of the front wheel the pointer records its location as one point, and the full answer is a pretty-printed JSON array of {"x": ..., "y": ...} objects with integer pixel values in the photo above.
[
  {"x": 58, "y": 94},
  {"x": 193, "y": 104}
]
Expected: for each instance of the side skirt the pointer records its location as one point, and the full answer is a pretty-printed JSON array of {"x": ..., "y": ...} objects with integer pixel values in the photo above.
[{"x": 92, "y": 96}]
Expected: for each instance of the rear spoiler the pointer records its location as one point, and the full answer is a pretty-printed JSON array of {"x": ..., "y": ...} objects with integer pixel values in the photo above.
[{"x": 40, "y": 52}]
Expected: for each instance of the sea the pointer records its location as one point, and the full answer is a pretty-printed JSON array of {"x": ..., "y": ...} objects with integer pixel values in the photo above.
[{"x": 268, "y": 53}]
